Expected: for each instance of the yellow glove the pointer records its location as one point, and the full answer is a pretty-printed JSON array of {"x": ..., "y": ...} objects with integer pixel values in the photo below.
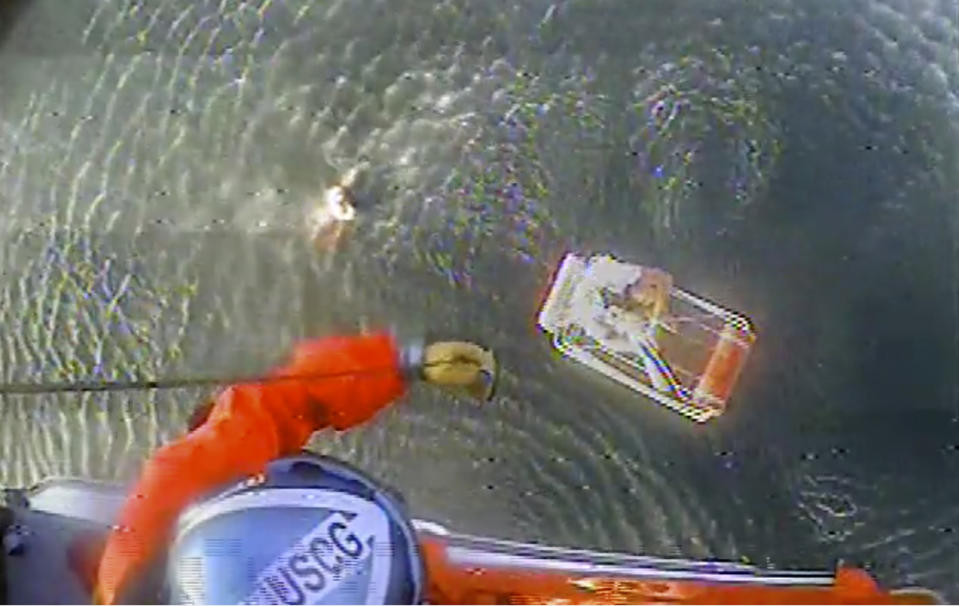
[{"x": 461, "y": 366}]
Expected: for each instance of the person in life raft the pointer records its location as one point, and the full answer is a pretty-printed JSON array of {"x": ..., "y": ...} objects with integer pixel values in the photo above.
[{"x": 623, "y": 303}]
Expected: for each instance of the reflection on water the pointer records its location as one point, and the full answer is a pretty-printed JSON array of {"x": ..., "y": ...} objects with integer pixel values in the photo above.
[{"x": 158, "y": 162}]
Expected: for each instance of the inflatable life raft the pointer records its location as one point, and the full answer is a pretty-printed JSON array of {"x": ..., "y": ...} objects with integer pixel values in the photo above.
[{"x": 688, "y": 359}]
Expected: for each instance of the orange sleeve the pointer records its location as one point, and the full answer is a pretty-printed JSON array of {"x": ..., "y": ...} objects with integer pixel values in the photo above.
[{"x": 249, "y": 426}]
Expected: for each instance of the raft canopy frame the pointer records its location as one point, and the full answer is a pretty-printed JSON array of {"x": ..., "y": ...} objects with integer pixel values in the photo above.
[{"x": 698, "y": 344}]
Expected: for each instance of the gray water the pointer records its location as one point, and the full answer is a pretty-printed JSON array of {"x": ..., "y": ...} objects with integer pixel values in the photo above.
[{"x": 795, "y": 161}]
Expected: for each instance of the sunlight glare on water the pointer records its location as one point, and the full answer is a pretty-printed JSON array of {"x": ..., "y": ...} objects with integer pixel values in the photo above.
[{"x": 161, "y": 164}]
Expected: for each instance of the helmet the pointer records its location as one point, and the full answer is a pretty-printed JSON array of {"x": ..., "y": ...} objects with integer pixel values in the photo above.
[{"x": 310, "y": 530}]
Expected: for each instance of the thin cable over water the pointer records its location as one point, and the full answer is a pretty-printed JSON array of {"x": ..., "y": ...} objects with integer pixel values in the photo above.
[{"x": 8, "y": 389}]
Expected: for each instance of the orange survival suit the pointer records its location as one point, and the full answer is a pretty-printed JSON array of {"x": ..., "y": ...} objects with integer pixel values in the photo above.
[{"x": 337, "y": 382}]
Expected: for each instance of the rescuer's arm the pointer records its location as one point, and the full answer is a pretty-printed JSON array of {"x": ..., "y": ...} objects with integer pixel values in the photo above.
[{"x": 339, "y": 382}]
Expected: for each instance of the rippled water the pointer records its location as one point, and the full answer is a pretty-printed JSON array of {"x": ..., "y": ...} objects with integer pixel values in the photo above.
[{"x": 796, "y": 161}]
